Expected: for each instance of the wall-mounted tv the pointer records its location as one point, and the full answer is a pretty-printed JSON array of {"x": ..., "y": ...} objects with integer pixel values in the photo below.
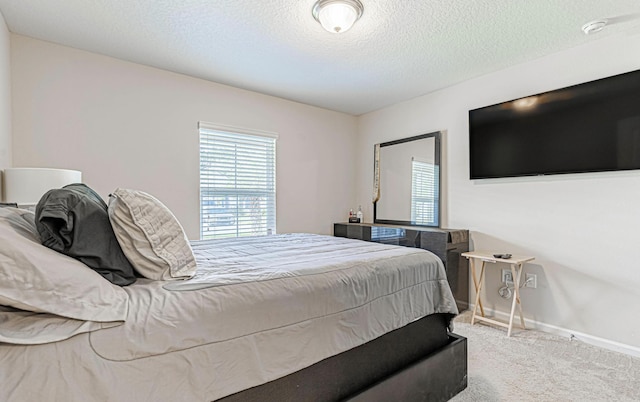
[{"x": 590, "y": 127}]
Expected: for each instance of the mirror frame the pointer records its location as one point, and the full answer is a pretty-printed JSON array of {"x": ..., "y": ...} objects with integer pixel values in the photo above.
[{"x": 376, "y": 174}]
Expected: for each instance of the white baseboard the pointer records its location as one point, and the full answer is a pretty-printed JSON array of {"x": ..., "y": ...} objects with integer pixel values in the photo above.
[{"x": 567, "y": 333}]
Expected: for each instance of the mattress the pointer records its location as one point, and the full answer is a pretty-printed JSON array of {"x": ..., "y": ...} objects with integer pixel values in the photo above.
[{"x": 257, "y": 309}]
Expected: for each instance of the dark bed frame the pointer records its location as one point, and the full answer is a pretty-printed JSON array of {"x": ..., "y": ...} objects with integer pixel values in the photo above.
[{"x": 421, "y": 361}]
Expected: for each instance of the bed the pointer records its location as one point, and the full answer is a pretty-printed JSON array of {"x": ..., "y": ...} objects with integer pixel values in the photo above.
[{"x": 278, "y": 318}]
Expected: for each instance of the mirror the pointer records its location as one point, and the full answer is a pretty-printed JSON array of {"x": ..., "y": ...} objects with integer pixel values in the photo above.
[{"x": 407, "y": 181}]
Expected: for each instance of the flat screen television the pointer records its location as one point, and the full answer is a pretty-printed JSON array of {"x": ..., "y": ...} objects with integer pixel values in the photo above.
[{"x": 590, "y": 127}]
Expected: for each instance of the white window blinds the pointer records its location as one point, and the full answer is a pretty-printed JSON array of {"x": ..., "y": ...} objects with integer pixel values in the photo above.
[
  {"x": 237, "y": 183},
  {"x": 424, "y": 208}
]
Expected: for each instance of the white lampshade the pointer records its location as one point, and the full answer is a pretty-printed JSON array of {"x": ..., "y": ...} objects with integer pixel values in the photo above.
[
  {"x": 25, "y": 186},
  {"x": 337, "y": 15}
]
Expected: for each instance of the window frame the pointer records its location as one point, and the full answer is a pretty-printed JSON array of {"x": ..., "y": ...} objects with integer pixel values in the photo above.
[{"x": 246, "y": 135}]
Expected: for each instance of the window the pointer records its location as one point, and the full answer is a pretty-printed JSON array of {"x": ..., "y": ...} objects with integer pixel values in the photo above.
[
  {"x": 424, "y": 208},
  {"x": 237, "y": 182}
]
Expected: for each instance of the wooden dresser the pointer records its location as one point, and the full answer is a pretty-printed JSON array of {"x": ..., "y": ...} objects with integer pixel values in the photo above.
[{"x": 448, "y": 244}]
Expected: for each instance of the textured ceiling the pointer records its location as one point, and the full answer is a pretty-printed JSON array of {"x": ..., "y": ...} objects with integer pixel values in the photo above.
[{"x": 398, "y": 50}]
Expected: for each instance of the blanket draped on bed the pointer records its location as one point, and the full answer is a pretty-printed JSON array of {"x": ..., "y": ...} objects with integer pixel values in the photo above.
[{"x": 257, "y": 309}]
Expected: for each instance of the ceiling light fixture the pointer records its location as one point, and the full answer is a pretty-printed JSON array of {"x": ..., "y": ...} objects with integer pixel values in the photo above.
[
  {"x": 593, "y": 26},
  {"x": 337, "y": 15}
]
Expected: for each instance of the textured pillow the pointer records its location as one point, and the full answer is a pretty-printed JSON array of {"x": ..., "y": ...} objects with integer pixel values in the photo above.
[
  {"x": 73, "y": 220},
  {"x": 36, "y": 278},
  {"x": 150, "y": 236}
]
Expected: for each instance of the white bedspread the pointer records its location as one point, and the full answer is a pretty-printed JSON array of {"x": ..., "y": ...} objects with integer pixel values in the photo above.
[
  {"x": 273, "y": 258},
  {"x": 264, "y": 308}
]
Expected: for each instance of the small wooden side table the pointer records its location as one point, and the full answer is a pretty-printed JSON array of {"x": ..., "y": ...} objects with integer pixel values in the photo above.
[{"x": 516, "y": 262}]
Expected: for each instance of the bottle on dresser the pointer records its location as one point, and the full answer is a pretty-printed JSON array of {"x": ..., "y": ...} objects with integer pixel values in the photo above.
[{"x": 352, "y": 217}]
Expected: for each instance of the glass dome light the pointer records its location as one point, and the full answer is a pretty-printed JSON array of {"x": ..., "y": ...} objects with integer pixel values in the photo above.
[{"x": 337, "y": 16}]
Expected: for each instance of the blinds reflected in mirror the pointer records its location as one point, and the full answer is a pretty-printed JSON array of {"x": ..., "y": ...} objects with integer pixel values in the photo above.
[{"x": 424, "y": 206}]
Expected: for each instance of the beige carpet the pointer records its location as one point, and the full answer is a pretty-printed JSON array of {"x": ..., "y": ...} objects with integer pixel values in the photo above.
[{"x": 535, "y": 366}]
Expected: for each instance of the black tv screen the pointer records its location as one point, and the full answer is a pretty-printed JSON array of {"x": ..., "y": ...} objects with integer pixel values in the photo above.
[{"x": 590, "y": 127}]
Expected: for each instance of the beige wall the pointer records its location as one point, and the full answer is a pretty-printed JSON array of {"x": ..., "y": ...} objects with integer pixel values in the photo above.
[
  {"x": 582, "y": 228},
  {"x": 128, "y": 125},
  {"x": 5, "y": 95}
]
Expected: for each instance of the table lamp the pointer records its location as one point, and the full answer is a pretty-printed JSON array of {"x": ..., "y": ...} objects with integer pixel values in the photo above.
[{"x": 25, "y": 186}]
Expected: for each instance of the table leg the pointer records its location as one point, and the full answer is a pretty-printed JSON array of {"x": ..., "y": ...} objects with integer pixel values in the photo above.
[
  {"x": 520, "y": 266},
  {"x": 516, "y": 274},
  {"x": 478, "y": 285},
  {"x": 475, "y": 283},
  {"x": 472, "y": 262}
]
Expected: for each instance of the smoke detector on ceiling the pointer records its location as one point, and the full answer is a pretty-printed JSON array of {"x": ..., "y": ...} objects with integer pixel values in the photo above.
[{"x": 593, "y": 26}]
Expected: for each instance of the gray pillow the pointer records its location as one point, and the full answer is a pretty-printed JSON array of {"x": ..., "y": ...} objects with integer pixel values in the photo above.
[{"x": 74, "y": 221}]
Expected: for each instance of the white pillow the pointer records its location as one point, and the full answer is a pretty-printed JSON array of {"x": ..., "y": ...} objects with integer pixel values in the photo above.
[
  {"x": 150, "y": 236},
  {"x": 36, "y": 278}
]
